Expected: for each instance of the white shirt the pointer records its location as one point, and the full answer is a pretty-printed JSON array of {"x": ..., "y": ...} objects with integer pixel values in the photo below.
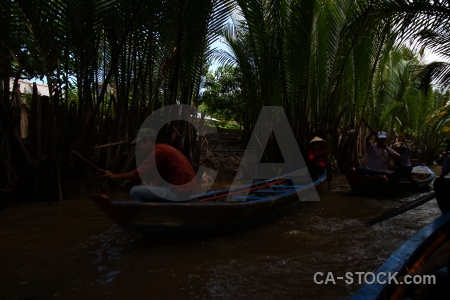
[{"x": 378, "y": 158}]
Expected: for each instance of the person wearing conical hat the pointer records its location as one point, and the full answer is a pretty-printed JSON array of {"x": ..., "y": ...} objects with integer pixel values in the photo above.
[
  {"x": 317, "y": 155},
  {"x": 316, "y": 139}
]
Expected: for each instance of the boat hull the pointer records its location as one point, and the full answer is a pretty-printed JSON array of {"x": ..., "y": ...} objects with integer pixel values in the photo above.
[
  {"x": 207, "y": 214},
  {"x": 189, "y": 219},
  {"x": 372, "y": 185}
]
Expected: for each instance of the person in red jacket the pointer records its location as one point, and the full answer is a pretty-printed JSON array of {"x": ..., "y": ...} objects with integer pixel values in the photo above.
[{"x": 165, "y": 173}]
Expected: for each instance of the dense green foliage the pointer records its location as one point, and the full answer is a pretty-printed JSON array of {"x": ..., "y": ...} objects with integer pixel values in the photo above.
[
  {"x": 329, "y": 63},
  {"x": 222, "y": 95},
  {"x": 111, "y": 63}
]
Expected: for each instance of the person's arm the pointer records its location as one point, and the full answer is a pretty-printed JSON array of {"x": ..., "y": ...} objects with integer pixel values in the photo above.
[
  {"x": 394, "y": 154},
  {"x": 310, "y": 154},
  {"x": 124, "y": 176},
  {"x": 368, "y": 138},
  {"x": 316, "y": 154}
]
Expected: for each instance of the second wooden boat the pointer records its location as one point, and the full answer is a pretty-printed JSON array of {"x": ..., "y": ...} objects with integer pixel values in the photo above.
[{"x": 372, "y": 185}]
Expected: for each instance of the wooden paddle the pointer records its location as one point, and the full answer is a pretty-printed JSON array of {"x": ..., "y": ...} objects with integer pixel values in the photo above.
[
  {"x": 395, "y": 159},
  {"x": 93, "y": 166},
  {"x": 401, "y": 209}
]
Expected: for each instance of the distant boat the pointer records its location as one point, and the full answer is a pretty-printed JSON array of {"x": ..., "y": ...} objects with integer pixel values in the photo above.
[
  {"x": 410, "y": 256},
  {"x": 372, "y": 185},
  {"x": 212, "y": 212}
]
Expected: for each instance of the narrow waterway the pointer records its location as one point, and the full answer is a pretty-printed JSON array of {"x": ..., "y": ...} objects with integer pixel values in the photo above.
[{"x": 72, "y": 250}]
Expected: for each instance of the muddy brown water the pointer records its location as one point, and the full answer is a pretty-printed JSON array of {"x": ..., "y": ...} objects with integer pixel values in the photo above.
[{"x": 72, "y": 250}]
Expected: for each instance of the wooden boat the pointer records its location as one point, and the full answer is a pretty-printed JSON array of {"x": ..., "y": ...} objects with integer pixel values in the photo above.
[
  {"x": 213, "y": 212},
  {"x": 372, "y": 185},
  {"x": 410, "y": 256}
]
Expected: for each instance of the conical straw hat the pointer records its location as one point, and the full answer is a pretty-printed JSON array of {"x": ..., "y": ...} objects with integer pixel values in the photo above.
[{"x": 316, "y": 139}]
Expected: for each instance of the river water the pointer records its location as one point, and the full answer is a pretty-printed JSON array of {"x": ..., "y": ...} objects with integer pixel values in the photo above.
[{"x": 72, "y": 250}]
